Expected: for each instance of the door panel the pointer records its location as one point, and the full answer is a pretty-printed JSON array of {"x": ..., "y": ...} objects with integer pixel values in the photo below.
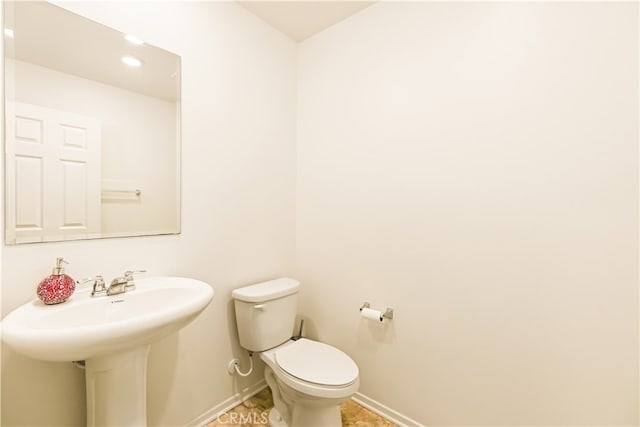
[{"x": 53, "y": 174}]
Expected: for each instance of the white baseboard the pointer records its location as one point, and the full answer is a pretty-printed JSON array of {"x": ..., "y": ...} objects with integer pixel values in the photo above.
[
  {"x": 385, "y": 411},
  {"x": 231, "y": 402},
  {"x": 252, "y": 390}
]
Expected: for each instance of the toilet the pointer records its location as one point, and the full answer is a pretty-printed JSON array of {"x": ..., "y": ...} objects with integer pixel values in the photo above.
[{"x": 308, "y": 379}]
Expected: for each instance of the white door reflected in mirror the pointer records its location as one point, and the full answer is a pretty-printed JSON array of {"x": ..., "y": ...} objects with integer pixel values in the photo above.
[{"x": 53, "y": 173}]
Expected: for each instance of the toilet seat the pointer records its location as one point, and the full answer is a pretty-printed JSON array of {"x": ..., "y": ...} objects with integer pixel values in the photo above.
[
  {"x": 300, "y": 357},
  {"x": 317, "y": 363}
]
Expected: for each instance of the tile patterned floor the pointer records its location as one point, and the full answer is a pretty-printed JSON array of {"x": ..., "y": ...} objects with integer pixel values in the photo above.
[{"x": 254, "y": 413}]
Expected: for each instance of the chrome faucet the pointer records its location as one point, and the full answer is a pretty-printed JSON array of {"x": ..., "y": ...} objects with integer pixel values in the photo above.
[
  {"x": 124, "y": 283},
  {"x": 117, "y": 286}
]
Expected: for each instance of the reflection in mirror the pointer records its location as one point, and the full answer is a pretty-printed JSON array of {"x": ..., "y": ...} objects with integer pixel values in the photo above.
[{"x": 92, "y": 146}]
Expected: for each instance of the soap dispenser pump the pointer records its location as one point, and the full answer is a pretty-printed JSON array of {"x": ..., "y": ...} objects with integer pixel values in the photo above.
[{"x": 58, "y": 287}]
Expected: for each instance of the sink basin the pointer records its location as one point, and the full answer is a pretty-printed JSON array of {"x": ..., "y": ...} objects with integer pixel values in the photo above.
[
  {"x": 85, "y": 327},
  {"x": 112, "y": 334}
]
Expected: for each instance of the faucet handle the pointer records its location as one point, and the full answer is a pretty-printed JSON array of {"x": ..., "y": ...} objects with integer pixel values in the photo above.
[
  {"x": 99, "y": 287},
  {"x": 128, "y": 275},
  {"x": 98, "y": 284},
  {"x": 85, "y": 280}
]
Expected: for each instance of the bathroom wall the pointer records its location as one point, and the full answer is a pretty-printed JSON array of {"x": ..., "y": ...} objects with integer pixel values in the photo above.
[
  {"x": 238, "y": 174},
  {"x": 475, "y": 167},
  {"x": 132, "y": 123}
]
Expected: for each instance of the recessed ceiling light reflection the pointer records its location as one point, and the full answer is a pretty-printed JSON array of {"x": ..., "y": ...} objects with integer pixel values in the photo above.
[
  {"x": 8, "y": 32},
  {"x": 131, "y": 61},
  {"x": 133, "y": 39}
]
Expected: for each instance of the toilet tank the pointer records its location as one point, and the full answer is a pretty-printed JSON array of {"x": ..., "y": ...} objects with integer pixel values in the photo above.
[{"x": 266, "y": 313}]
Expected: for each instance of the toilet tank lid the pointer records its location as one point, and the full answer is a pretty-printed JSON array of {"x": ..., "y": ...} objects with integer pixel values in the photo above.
[{"x": 266, "y": 291}]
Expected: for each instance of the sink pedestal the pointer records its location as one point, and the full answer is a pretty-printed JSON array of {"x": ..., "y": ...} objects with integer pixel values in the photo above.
[{"x": 117, "y": 388}]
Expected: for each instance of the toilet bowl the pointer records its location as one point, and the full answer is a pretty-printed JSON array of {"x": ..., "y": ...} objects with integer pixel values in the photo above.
[
  {"x": 308, "y": 379},
  {"x": 311, "y": 379}
]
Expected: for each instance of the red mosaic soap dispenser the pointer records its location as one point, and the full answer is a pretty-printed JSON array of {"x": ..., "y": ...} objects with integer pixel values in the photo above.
[{"x": 58, "y": 287}]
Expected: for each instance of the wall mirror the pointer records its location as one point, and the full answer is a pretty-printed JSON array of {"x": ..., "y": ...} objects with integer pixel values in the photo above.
[{"x": 92, "y": 129}]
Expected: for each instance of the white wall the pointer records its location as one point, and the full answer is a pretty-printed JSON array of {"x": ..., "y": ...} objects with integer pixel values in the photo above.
[
  {"x": 238, "y": 153},
  {"x": 475, "y": 167},
  {"x": 134, "y": 127}
]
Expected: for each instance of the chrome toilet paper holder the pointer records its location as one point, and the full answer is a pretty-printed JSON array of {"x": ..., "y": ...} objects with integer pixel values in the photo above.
[{"x": 388, "y": 314}]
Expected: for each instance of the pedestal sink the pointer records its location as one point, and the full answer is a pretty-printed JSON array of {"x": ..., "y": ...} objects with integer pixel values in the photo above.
[{"x": 112, "y": 335}]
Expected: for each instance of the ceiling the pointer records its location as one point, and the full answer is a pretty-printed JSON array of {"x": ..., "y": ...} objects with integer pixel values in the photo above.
[
  {"x": 53, "y": 37},
  {"x": 300, "y": 19}
]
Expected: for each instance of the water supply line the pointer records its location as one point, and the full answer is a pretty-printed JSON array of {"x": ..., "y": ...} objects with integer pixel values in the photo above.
[
  {"x": 297, "y": 337},
  {"x": 235, "y": 363}
]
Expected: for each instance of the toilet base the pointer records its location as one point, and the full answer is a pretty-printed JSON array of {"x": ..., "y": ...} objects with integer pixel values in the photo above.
[
  {"x": 302, "y": 417},
  {"x": 298, "y": 409},
  {"x": 275, "y": 419},
  {"x": 315, "y": 416}
]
